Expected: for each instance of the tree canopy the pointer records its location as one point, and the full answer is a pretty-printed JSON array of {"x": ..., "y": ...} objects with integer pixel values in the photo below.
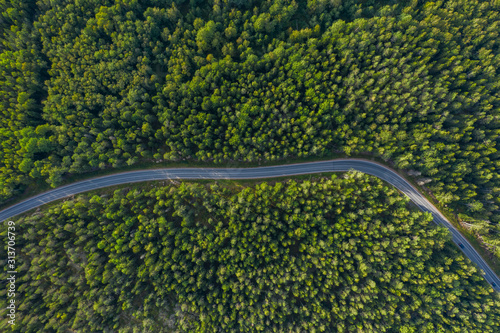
[
  {"x": 339, "y": 254},
  {"x": 98, "y": 84}
]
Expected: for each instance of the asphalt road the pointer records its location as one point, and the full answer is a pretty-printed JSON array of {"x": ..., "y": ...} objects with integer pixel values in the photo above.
[{"x": 368, "y": 167}]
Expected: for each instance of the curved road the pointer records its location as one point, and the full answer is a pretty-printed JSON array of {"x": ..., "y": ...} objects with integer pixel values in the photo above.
[{"x": 368, "y": 167}]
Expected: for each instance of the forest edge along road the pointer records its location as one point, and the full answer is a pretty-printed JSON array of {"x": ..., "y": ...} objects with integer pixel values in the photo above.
[{"x": 337, "y": 165}]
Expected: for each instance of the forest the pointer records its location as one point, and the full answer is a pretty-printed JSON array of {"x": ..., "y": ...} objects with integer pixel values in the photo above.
[
  {"x": 345, "y": 253},
  {"x": 99, "y": 84}
]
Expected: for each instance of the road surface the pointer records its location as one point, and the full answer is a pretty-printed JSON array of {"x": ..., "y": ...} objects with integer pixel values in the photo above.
[{"x": 337, "y": 165}]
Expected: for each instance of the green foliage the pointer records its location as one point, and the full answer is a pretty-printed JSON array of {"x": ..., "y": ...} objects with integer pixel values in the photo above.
[
  {"x": 102, "y": 83},
  {"x": 330, "y": 255}
]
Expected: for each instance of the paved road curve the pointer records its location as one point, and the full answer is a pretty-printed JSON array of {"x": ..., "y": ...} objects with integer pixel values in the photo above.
[{"x": 368, "y": 167}]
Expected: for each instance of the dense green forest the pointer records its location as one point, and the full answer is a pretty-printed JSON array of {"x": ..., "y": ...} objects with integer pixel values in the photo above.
[
  {"x": 94, "y": 84},
  {"x": 339, "y": 254}
]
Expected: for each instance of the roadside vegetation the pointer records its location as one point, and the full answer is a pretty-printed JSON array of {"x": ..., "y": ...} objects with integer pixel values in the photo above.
[
  {"x": 335, "y": 254},
  {"x": 102, "y": 84}
]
